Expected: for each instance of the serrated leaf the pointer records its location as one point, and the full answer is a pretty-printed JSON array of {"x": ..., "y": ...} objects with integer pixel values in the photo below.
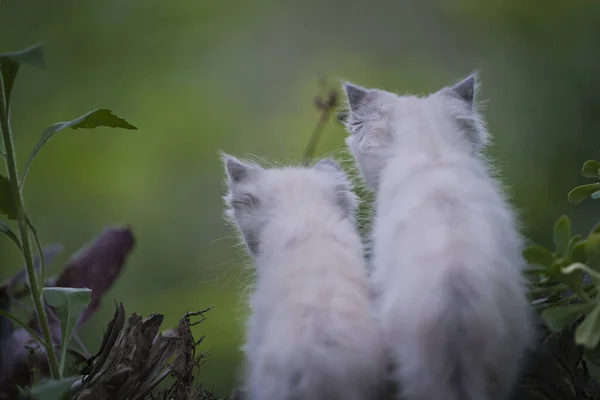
[
  {"x": 592, "y": 250},
  {"x": 7, "y": 205},
  {"x": 557, "y": 318},
  {"x": 47, "y": 389},
  {"x": 11, "y": 235},
  {"x": 93, "y": 119},
  {"x": 588, "y": 333},
  {"x": 562, "y": 235},
  {"x": 538, "y": 255},
  {"x": 582, "y": 192},
  {"x": 10, "y": 63},
  {"x": 590, "y": 169},
  {"x": 68, "y": 303}
]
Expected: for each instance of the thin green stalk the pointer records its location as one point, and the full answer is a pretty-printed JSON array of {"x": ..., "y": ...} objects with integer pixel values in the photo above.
[{"x": 36, "y": 295}]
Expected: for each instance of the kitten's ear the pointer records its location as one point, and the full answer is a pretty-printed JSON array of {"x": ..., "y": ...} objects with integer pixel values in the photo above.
[
  {"x": 328, "y": 164},
  {"x": 236, "y": 170},
  {"x": 356, "y": 95},
  {"x": 465, "y": 89}
]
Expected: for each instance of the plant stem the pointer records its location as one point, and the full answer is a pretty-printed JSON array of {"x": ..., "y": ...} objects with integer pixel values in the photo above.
[
  {"x": 17, "y": 198},
  {"x": 326, "y": 109}
]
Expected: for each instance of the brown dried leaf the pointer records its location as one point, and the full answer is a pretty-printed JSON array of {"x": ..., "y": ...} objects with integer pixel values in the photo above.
[{"x": 97, "y": 265}]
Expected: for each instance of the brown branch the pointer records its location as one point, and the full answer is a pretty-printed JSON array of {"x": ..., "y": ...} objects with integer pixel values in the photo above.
[{"x": 327, "y": 107}]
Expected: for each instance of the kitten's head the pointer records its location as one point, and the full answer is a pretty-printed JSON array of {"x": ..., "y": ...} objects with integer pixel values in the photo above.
[
  {"x": 378, "y": 122},
  {"x": 258, "y": 195}
]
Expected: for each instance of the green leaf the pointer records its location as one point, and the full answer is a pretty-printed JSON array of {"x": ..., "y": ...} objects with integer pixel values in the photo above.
[
  {"x": 33, "y": 55},
  {"x": 562, "y": 235},
  {"x": 538, "y": 255},
  {"x": 93, "y": 119},
  {"x": 7, "y": 205},
  {"x": 10, "y": 63},
  {"x": 53, "y": 390},
  {"x": 590, "y": 169},
  {"x": 582, "y": 192},
  {"x": 595, "y": 229},
  {"x": 577, "y": 252},
  {"x": 557, "y": 318},
  {"x": 11, "y": 235},
  {"x": 588, "y": 333},
  {"x": 69, "y": 303},
  {"x": 592, "y": 250}
]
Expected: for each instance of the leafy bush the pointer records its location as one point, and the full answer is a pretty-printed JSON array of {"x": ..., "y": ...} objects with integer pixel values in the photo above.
[{"x": 566, "y": 279}]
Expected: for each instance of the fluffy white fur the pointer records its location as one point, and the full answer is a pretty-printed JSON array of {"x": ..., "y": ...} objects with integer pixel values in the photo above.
[
  {"x": 446, "y": 249},
  {"x": 312, "y": 333}
]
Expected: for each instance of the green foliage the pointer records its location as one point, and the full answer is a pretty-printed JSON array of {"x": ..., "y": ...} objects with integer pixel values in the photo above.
[
  {"x": 93, "y": 119},
  {"x": 560, "y": 317},
  {"x": 574, "y": 258},
  {"x": 69, "y": 303},
  {"x": 538, "y": 255},
  {"x": 10, "y": 64},
  {"x": 588, "y": 333},
  {"x": 7, "y": 206},
  {"x": 53, "y": 389},
  {"x": 562, "y": 235},
  {"x": 11, "y": 235},
  {"x": 590, "y": 169},
  {"x": 582, "y": 192},
  {"x": 592, "y": 250}
]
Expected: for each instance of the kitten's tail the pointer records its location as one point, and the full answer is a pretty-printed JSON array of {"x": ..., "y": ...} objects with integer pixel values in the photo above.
[{"x": 471, "y": 346}]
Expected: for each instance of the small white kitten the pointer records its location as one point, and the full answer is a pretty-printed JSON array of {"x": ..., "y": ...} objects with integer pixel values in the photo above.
[
  {"x": 446, "y": 250},
  {"x": 312, "y": 333}
]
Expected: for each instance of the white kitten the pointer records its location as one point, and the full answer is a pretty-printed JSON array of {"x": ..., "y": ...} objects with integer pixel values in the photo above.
[
  {"x": 446, "y": 250},
  {"x": 312, "y": 333}
]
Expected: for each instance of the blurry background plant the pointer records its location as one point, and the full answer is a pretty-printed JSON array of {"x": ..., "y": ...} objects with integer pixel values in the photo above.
[
  {"x": 133, "y": 357},
  {"x": 566, "y": 279},
  {"x": 199, "y": 76}
]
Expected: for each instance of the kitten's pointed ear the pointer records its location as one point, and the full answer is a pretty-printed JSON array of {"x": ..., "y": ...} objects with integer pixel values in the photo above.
[
  {"x": 328, "y": 164},
  {"x": 236, "y": 170},
  {"x": 465, "y": 89},
  {"x": 356, "y": 95}
]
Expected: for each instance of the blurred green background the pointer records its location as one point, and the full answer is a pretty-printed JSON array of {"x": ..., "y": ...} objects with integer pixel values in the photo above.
[{"x": 240, "y": 76}]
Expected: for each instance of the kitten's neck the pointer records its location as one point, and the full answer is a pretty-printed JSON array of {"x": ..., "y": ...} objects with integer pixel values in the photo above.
[{"x": 292, "y": 232}]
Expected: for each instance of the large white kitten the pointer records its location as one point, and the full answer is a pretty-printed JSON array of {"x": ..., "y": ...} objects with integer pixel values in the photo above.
[
  {"x": 312, "y": 333},
  {"x": 446, "y": 250}
]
